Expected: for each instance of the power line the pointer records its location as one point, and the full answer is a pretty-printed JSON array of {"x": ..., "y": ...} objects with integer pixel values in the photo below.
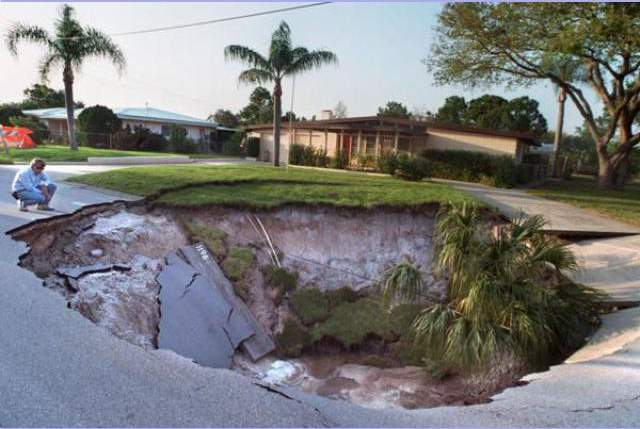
[
  {"x": 210, "y": 21},
  {"x": 214, "y": 21}
]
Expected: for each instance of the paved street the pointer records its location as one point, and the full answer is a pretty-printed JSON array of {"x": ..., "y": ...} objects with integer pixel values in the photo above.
[{"x": 59, "y": 369}]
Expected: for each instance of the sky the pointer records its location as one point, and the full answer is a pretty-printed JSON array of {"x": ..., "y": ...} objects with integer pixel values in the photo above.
[{"x": 380, "y": 48}]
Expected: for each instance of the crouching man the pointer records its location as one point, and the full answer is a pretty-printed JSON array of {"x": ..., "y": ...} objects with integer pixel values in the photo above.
[{"x": 32, "y": 186}]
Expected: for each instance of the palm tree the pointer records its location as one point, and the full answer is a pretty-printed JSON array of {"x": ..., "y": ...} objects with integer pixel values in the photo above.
[
  {"x": 68, "y": 47},
  {"x": 567, "y": 70},
  {"x": 507, "y": 293},
  {"x": 283, "y": 60}
]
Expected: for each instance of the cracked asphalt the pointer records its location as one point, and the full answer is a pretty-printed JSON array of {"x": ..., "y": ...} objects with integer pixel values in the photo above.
[{"x": 58, "y": 369}]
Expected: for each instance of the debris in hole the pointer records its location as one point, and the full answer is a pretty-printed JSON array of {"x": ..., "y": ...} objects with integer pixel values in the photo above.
[
  {"x": 77, "y": 272},
  {"x": 201, "y": 317},
  {"x": 96, "y": 253},
  {"x": 121, "y": 298}
]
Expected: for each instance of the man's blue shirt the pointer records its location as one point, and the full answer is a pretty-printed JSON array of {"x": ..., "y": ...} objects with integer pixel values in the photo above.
[{"x": 28, "y": 180}]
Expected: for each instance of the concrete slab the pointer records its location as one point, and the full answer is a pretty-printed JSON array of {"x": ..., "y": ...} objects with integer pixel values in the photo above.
[
  {"x": 618, "y": 329},
  {"x": 192, "y": 316},
  {"x": 611, "y": 265},
  {"x": 562, "y": 218},
  {"x": 256, "y": 346}
]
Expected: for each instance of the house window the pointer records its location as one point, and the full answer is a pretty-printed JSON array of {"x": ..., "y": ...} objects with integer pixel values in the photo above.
[
  {"x": 370, "y": 144},
  {"x": 165, "y": 130}
]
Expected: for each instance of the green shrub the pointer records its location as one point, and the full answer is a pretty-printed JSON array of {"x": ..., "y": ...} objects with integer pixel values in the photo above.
[
  {"x": 462, "y": 165},
  {"x": 506, "y": 293},
  {"x": 253, "y": 147},
  {"x": 402, "y": 317},
  {"x": 341, "y": 161},
  {"x": 213, "y": 237},
  {"x": 505, "y": 175},
  {"x": 310, "y": 305},
  {"x": 366, "y": 162},
  {"x": 280, "y": 279},
  {"x": 412, "y": 168},
  {"x": 293, "y": 339},
  {"x": 95, "y": 126},
  {"x": 339, "y": 296},
  {"x": 322, "y": 159},
  {"x": 180, "y": 142},
  {"x": 238, "y": 261},
  {"x": 352, "y": 323},
  {"x": 387, "y": 163}
]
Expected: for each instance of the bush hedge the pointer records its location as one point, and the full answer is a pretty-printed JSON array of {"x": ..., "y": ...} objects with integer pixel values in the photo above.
[
  {"x": 413, "y": 168},
  {"x": 308, "y": 155},
  {"x": 467, "y": 166}
]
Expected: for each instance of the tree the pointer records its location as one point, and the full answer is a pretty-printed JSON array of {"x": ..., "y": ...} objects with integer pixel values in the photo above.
[
  {"x": 40, "y": 96},
  {"x": 97, "y": 123},
  {"x": 393, "y": 109},
  {"x": 283, "y": 60},
  {"x": 453, "y": 111},
  {"x": 226, "y": 118},
  {"x": 8, "y": 111},
  {"x": 260, "y": 108},
  {"x": 488, "y": 111},
  {"x": 523, "y": 115},
  {"x": 340, "y": 110},
  {"x": 68, "y": 47},
  {"x": 522, "y": 43}
]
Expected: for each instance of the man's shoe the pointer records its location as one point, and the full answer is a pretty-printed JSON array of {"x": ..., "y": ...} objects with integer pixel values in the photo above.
[
  {"x": 21, "y": 206},
  {"x": 45, "y": 208}
]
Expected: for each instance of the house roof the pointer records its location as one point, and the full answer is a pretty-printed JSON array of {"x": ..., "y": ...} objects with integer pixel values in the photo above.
[
  {"x": 130, "y": 113},
  {"x": 377, "y": 123}
]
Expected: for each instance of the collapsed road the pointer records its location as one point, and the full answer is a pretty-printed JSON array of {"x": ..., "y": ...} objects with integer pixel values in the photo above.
[{"x": 201, "y": 316}]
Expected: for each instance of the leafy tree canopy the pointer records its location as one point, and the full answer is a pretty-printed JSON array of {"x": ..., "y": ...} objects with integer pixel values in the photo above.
[
  {"x": 260, "y": 108},
  {"x": 9, "y": 110},
  {"x": 522, "y": 43},
  {"x": 453, "y": 111},
  {"x": 40, "y": 96},
  {"x": 226, "y": 118},
  {"x": 494, "y": 112},
  {"x": 394, "y": 109}
]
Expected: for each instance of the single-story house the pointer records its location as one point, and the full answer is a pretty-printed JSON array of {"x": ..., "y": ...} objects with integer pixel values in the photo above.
[
  {"x": 373, "y": 135},
  {"x": 156, "y": 120}
]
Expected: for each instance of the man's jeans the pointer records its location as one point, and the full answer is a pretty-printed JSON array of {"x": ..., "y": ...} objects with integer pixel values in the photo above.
[{"x": 36, "y": 196}]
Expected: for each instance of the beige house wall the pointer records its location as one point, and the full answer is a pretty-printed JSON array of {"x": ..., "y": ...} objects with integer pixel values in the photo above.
[
  {"x": 303, "y": 137},
  {"x": 494, "y": 145}
]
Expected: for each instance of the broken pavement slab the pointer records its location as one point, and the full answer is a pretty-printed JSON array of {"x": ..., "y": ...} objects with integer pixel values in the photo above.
[
  {"x": 256, "y": 346},
  {"x": 612, "y": 266},
  {"x": 199, "y": 318}
]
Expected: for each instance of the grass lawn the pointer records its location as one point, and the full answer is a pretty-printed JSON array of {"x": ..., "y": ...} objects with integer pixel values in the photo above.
[
  {"x": 254, "y": 185},
  {"x": 63, "y": 153},
  {"x": 583, "y": 192}
]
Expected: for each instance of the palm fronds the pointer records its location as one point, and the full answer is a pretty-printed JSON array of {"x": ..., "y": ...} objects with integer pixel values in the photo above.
[
  {"x": 402, "y": 282},
  {"x": 501, "y": 296}
]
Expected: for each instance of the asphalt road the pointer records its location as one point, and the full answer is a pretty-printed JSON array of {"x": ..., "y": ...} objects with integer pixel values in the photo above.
[{"x": 58, "y": 369}]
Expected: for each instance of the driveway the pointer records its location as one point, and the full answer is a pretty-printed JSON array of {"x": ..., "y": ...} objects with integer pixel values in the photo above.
[
  {"x": 562, "y": 218},
  {"x": 59, "y": 369}
]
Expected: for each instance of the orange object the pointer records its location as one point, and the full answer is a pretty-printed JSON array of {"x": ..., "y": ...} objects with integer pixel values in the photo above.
[{"x": 18, "y": 137}]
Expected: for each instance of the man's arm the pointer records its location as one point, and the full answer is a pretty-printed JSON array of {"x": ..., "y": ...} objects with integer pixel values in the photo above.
[{"x": 22, "y": 182}]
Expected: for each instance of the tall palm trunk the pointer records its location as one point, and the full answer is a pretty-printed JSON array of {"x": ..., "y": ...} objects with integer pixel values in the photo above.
[
  {"x": 67, "y": 77},
  {"x": 277, "y": 117},
  {"x": 562, "y": 97}
]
